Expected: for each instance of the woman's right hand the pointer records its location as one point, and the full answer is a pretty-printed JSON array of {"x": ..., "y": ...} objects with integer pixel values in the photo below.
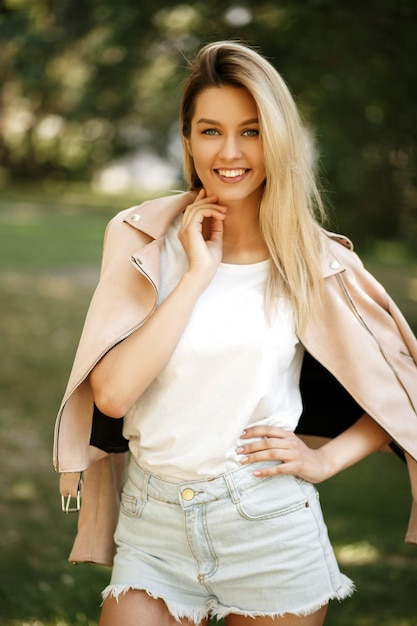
[{"x": 204, "y": 255}]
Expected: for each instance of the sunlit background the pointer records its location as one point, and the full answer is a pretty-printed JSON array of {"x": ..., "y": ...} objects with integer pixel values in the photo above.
[
  {"x": 89, "y": 94},
  {"x": 90, "y": 90}
]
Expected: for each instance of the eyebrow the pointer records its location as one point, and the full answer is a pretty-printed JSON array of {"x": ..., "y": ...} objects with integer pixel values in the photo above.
[{"x": 205, "y": 120}]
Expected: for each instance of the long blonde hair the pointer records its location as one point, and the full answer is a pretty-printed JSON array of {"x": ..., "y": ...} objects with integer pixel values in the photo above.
[{"x": 291, "y": 203}]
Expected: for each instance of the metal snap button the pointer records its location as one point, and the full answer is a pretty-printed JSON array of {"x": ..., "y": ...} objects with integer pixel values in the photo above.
[
  {"x": 188, "y": 494},
  {"x": 334, "y": 265},
  {"x": 135, "y": 217}
]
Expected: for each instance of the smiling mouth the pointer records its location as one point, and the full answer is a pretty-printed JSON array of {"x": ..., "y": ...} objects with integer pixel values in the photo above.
[{"x": 232, "y": 173}]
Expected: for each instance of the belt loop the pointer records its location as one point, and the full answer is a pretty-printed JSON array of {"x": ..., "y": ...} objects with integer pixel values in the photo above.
[
  {"x": 146, "y": 477},
  {"x": 234, "y": 493}
]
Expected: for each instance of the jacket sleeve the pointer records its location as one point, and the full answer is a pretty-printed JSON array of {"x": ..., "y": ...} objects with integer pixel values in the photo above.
[{"x": 328, "y": 408}]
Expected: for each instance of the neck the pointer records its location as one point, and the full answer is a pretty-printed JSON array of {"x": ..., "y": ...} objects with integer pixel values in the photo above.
[{"x": 242, "y": 240}]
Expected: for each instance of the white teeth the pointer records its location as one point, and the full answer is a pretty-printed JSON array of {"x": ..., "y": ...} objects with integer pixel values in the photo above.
[{"x": 231, "y": 173}]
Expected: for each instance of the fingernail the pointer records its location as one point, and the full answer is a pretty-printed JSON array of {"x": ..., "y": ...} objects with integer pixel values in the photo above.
[
  {"x": 239, "y": 450},
  {"x": 243, "y": 433},
  {"x": 244, "y": 459}
]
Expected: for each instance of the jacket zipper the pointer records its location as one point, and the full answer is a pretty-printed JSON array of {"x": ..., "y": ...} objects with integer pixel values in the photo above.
[
  {"x": 118, "y": 340},
  {"x": 366, "y": 327},
  {"x": 130, "y": 332}
]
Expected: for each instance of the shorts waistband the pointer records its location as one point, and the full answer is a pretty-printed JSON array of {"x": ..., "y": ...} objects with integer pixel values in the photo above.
[{"x": 191, "y": 493}]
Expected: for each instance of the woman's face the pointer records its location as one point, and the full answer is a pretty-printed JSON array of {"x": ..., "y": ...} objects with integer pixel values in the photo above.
[{"x": 226, "y": 146}]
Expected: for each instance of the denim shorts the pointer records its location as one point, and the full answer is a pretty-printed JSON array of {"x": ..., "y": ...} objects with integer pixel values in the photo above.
[{"x": 253, "y": 546}]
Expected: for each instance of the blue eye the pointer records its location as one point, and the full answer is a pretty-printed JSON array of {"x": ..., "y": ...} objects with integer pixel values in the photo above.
[
  {"x": 210, "y": 131},
  {"x": 251, "y": 132}
]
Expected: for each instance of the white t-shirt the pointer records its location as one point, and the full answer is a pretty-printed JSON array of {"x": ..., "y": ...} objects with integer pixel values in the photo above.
[{"x": 230, "y": 369}]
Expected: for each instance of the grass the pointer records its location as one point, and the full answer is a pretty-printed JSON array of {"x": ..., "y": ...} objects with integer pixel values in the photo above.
[{"x": 49, "y": 254}]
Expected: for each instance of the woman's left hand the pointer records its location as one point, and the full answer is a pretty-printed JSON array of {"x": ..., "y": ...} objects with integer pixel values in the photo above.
[{"x": 293, "y": 456}]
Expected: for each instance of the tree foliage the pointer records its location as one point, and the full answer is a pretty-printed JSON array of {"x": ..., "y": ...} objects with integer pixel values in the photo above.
[{"x": 83, "y": 81}]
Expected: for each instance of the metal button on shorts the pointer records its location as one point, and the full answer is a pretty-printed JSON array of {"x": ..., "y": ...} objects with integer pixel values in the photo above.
[{"x": 188, "y": 494}]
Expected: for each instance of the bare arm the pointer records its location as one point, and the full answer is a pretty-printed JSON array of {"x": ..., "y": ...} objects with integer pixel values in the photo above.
[
  {"x": 354, "y": 444},
  {"x": 118, "y": 379}
]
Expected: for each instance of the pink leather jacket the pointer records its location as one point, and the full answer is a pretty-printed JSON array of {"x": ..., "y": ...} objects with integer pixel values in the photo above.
[{"x": 361, "y": 356}]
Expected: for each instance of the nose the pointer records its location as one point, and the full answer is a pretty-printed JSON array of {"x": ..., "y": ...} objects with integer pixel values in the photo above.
[{"x": 230, "y": 148}]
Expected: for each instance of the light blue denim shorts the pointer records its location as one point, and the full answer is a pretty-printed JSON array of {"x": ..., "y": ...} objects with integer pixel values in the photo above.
[{"x": 234, "y": 544}]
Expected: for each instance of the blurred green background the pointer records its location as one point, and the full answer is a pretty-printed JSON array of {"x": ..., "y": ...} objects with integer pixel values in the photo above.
[{"x": 89, "y": 93}]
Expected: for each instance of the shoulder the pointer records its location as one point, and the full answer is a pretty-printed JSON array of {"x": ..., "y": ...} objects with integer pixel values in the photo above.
[
  {"x": 338, "y": 254},
  {"x": 342, "y": 240},
  {"x": 349, "y": 267},
  {"x": 152, "y": 216},
  {"x": 142, "y": 224}
]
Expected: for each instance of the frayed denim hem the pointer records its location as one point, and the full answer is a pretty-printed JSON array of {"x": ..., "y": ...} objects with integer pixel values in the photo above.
[
  {"x": 345, "y": 591},
  {"x": 214, "y": 609},
  {"x": 178, "y": 612}
]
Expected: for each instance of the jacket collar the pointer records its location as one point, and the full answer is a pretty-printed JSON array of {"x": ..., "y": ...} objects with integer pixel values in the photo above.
[
  {"x": 155, "y": 216},
  {"x": 331, "y": 262}
]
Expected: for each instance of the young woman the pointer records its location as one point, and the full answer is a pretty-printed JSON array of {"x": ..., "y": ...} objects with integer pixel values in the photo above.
[{"x": 208, "y": 305}]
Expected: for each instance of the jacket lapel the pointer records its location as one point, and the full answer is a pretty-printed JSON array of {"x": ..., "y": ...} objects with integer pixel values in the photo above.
[{"x": 154, "y": 217}]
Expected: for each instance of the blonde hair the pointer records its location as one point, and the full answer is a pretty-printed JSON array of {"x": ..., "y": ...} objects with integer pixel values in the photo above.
[{"x": 291, "y": 200}]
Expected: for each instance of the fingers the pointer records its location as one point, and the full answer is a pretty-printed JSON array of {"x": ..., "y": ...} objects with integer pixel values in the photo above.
[
  {"x": 216, "y": 231},
  {"x": 291, "y": 454},
  {"x": 203, "y": 207},
  {"x": 201, "y": 236},
  {"x": 265, "y": 431},
  {"x": 272, "y": 444},
  {"x": 268, "y": 450},
  {"x": 264, "y": 438}
]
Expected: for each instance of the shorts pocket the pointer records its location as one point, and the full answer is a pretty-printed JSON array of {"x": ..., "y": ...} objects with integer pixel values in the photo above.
[
  {"x": 273, "y": 497},
  {"x": 131, "y": 505}
]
